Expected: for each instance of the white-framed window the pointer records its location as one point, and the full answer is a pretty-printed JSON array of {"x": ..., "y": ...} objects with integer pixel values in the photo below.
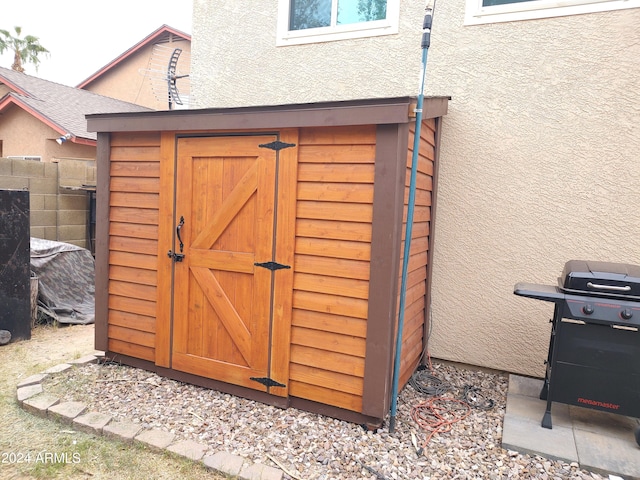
[
  {"x": 491, "y": 11},
  {"x": 311, "y": 21}
]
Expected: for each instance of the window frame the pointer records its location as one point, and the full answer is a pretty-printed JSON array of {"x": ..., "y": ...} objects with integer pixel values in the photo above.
[
  {"x": 388, "y": 26},
  {"x": 477, "y": 14}
]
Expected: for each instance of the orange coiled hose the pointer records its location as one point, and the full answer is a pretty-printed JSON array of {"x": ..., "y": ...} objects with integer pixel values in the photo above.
[{"x": 438, "y": 414}]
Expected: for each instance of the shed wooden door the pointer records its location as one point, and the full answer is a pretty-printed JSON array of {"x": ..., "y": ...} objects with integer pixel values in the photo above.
[{"x": 226, "y": 208}]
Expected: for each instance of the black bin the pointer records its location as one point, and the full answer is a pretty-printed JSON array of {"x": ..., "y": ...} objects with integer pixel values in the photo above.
[{"x": 15, "y": 272}]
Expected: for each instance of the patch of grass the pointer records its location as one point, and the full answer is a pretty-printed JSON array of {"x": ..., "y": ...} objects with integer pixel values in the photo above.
[
  {"x": 75, "y": 455},
  {"x": 69, "y": 387},
  {"x": 80, "y": 456}
]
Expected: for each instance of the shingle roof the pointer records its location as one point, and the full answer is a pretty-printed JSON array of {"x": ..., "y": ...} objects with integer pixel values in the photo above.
[{"x": 61, "y": 107}]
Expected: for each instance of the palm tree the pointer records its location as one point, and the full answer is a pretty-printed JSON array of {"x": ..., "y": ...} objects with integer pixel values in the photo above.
[{"x": 25, "y": 49}]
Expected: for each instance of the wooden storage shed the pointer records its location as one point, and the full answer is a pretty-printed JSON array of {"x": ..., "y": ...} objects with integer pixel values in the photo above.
[{"x": 258, "y": 250}]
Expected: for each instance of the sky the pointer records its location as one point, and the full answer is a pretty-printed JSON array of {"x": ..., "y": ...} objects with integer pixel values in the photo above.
[{"x": 83, "y": 36}]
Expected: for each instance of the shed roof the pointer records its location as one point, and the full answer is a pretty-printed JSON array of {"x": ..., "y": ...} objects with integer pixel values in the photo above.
[
  {"x": 351, "y": 112},
  {"x": 61, "y": 107}
]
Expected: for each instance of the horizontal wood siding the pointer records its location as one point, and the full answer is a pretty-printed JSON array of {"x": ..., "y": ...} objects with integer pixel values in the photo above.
[
  {"x": 414, "y": 318},
  {"x": 133, "y": 243},
  {"x": 331, "y": 269}
]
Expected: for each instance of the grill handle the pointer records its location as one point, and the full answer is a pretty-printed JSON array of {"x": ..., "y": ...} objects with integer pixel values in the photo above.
[{"x": 626, "y": 288}]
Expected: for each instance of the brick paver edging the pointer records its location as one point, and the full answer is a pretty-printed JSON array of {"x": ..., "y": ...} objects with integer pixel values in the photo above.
[{"x": 32, "y": 398}]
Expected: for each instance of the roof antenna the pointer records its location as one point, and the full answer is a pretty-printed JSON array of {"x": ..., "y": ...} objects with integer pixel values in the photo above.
[
  {"x": 167, "y": 66},
  {"x": 172, "y": 77}
]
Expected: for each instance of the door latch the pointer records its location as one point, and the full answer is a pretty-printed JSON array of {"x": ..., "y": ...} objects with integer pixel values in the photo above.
[{"x": 177, "y": 257}]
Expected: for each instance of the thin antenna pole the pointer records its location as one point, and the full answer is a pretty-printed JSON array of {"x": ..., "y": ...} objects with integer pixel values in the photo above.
[{"x": 426, "y": 40}]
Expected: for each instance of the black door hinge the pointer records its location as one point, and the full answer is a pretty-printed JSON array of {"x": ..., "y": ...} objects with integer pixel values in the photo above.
[
  {"x": 267, "y": 382},
  {"x": 276, "y": 145},
  {"x": 271, "y": 265}
]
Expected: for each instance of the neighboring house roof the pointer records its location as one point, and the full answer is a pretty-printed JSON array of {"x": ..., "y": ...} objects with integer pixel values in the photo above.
[
  {"x": 162, "y": 34},
  {"x": 61, "y": 107}
]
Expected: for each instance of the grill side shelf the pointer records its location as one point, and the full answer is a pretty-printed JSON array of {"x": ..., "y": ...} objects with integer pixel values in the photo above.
[{"x": 548, "y": 293}]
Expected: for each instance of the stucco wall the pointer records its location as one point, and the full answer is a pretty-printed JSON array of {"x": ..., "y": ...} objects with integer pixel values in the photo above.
[
  {"x": 23, "y": 134},
  {"x": 539, "y": 165},
  {"x": 138, "y": 78},
  {"x": 239, "y": 64}
]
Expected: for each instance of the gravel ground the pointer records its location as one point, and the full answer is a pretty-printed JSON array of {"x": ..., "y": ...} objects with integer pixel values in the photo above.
[{"x": 310, "y": 446}]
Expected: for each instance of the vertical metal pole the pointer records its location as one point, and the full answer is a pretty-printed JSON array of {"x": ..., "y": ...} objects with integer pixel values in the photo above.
[{"x": 426, "y": 39}]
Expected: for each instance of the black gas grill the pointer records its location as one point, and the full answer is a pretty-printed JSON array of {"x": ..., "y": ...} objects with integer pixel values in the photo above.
[{"x": 594, "y": 351}]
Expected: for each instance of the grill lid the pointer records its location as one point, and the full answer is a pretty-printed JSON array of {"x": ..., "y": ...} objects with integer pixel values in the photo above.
[{"x": 601, "y": 278}]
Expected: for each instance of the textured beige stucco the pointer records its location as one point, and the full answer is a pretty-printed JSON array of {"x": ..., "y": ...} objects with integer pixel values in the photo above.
[
  {"x": 540, "y": 151},
  {"x": 138, "y": 78},
  {"x": 22, "y": 134},
  {"x": 235, "y": 61},
  {"x": 540, "y": 164}
]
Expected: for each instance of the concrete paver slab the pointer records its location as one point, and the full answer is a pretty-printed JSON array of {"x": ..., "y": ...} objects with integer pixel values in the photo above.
[
  {"x": 27, "y": 392},
  {"x": 189, "y": 449},
  {"x": 91, "y": 422},
  {"x": 524, "y": 436},
  {"x": 84, "y": 360},
  {"x": 533, "y": 409},
  {"x": 602, "y": 422},
  {"x": 225, "y": 462},
  {"x": 33, "y": 380},
  {"x": 605, "y": 454},
  {"x": 122, "y": 430},
  {"x": 601, "y": 442},
  {"x": 58, "y": 368},
  {"x": 39, "y": 404},
  {"x": 156, "y": 438},
  {"x": 66, "y": 411},
  {"x": 259, "y": 471},
  {"x": 529, "y": 387}
]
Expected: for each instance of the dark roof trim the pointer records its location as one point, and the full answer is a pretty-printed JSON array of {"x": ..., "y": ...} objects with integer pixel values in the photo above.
[
  {"x": 145, "y": 41},
  {"x": 13, "y": 99},
  {"x": 12, "y": 86},
  {"x": 352, "y": 112}
]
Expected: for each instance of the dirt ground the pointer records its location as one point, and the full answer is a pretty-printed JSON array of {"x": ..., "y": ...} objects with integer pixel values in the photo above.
[{"x": 36, "y": 448}]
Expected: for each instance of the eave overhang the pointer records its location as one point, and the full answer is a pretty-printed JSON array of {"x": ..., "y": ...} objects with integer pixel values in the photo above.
[
  {"x": 14, "y": 100},
  {"x": 351, "y": 112}
]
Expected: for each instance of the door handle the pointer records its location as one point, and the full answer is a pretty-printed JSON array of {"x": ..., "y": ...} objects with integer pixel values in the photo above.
[
  {"x": 178, "y": 228},
  {"x": 177, "y": 257}
]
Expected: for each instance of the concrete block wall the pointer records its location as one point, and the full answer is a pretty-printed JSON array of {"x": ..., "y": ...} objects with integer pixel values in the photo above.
[
  {"x": 59, "y": 210},
  {"x": 73, "y": 204}
]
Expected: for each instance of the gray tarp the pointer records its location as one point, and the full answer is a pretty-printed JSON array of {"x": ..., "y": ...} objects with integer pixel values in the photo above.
[{"x": 66, "y": 273}]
